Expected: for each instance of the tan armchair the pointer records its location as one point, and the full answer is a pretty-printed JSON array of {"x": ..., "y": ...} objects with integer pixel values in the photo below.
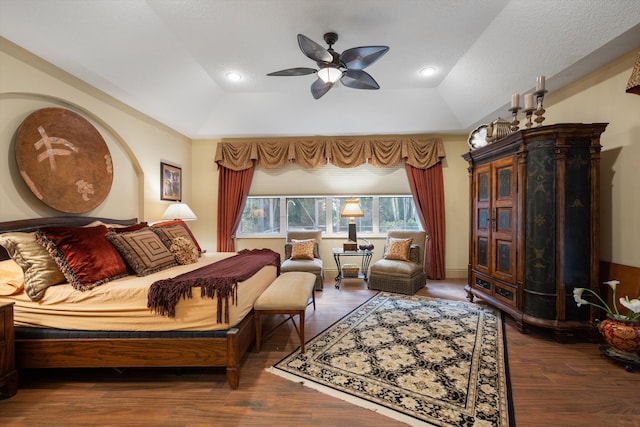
[
  {"x": 313, "y": 265},
  {"x": 394, "y": 275}
]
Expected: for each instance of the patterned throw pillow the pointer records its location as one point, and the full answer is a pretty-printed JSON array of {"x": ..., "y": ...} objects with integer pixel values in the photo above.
[
  {"x": 184, "y": 250},
  {"x": 143, "y": 250},
  {"x": 398, "y": 249},
  {"x": 302, "y": 249},
  {"x": 170, "y": 232},
  {"x": 40, "y": 270},
  {"x": 182, "y": 224}
]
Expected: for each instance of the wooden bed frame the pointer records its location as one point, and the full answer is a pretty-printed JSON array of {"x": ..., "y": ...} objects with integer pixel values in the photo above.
[{"x": 224, "y": 351}]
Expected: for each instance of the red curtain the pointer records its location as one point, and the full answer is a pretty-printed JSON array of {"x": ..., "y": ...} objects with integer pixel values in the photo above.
[
  {"x": 233, "y": 188},
  {"x": 427, "y": 187}
]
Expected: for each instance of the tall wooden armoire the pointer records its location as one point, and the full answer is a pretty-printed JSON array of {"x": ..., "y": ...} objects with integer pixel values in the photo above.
[{"x": 534, "y": 224}]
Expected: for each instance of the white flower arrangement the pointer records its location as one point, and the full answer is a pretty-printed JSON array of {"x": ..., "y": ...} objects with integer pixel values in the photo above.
[{"x": 632, "y": 305}]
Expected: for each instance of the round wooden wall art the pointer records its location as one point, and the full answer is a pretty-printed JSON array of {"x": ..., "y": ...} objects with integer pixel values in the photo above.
[{"x": 64, "y": 160}]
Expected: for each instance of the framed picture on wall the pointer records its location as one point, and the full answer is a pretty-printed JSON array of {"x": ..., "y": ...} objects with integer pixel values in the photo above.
[{"x": 170, "y": 182}]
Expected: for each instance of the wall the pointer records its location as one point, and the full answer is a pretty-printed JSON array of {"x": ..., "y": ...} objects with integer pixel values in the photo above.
[
  {"x": 598, "y": 97},
  {"x": 456, "y": 182},
  {"x": 204, "y": 192},
  {"x": 601, "y": 97},
  {"x": 137, "y": 143}
]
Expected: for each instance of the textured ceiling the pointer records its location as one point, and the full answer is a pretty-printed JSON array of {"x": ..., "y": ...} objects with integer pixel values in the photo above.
[{"x": 168, "y": 58}]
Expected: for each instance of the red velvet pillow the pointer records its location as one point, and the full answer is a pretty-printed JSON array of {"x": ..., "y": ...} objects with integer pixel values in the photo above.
[
  {"x": 186, "y": 227},
  {"x": 84, "y": 255},
  {"x": 129, "y": 228}
]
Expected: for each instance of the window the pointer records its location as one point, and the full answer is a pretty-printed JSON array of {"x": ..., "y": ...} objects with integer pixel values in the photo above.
[
  {"x": 306, "y": 213},
  {"x": 261, "y": 215},
  {"x": 398, "y": 213},
  {"x": 269, "y": 216}
]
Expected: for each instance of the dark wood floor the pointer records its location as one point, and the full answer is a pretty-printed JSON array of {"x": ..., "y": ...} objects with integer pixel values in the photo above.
[{"x": 553, "y": 385}]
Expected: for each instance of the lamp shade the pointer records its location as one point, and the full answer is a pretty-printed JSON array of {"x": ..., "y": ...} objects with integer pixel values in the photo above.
[
  {"x": 329, "y": 74},
  {"x": 179, "y": 210},
  {"x": 633, "y": 85},
  {"x": 351, "y": 209}
]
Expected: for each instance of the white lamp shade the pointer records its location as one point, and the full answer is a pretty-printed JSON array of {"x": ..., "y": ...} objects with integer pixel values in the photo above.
[
  {"x": 351, "y": 209},
  {"x": 179, "y": 210},
  {"x": 329, "y": 74}
]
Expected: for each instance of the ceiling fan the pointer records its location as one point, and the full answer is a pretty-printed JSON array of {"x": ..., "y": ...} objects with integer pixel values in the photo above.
[{"x": 348, "y": 67}]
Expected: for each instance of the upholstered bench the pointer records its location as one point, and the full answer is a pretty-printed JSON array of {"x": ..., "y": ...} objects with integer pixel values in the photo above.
[{"x": 288, "y": 294}]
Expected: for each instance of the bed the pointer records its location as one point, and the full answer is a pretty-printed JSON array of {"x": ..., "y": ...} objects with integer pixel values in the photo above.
[{"x": 77, "y": 335}]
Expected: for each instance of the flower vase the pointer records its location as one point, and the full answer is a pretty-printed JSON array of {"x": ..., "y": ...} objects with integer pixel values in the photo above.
[{"x": 623, "y": 335}]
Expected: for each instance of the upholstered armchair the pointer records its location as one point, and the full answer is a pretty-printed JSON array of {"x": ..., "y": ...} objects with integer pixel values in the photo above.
[
  {"x": 401, "y": 268},
  {"x": 302, "y": 255}
]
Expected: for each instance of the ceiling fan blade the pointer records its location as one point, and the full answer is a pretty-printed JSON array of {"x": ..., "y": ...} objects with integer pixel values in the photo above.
[
  {"x": 299, "y": 71},
  {"x": 359, "y": 58},
  {"x": 319, "y": 88},
  {"x": 313, "y": 50},
  {"x": 358, "y": 79}
]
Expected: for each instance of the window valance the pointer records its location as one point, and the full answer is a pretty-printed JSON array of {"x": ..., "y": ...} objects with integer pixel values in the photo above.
[{"x": 346, "y": 152}]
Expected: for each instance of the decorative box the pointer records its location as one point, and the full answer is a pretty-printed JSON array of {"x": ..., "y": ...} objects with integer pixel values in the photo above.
[
  {"x": 350, "y": 270},
  {"x": 350, "y": 246}
]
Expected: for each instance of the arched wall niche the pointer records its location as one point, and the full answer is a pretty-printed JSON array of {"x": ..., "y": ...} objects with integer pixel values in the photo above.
[{"x": 126, "y": 198}]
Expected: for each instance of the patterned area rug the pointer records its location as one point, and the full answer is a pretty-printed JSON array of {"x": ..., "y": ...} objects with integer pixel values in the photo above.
[{"x": 419, "y": 360}]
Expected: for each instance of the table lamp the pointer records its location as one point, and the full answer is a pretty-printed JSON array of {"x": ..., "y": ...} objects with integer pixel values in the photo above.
[
  {"x": 351, "y": 210},
  {"x": 179, "y": 210}
]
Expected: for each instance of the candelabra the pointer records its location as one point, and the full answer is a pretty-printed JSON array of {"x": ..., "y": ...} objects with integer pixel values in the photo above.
[
  {"x": 539, "y": 112},
  {"x": 515, "y": 122},
  {"x": 528, "y": 113}
]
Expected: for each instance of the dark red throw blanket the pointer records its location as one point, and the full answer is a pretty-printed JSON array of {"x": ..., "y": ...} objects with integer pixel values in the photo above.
[{"x": 219, "y": 279}]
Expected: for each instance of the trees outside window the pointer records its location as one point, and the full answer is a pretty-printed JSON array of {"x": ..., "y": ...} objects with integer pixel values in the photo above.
[{"x": 269, "y": 216}]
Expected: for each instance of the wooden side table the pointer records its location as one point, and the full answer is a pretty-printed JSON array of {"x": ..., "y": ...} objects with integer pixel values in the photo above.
[{"x": 8, "y": 373}]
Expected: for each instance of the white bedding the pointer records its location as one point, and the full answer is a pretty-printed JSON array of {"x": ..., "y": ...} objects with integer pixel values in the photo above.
[{"x": 121, "y": 305}]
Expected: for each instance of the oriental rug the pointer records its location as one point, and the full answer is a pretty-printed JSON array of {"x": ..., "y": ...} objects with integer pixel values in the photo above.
[{"x": 420, "y": 360}]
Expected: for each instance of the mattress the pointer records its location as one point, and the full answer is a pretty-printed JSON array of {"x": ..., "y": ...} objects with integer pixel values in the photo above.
[{"x": 121, "y": 305}]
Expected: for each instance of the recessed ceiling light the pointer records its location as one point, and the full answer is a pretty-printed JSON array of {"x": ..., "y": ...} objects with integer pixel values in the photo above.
[
  {"x": 234, "y": 77},
  {"x": 427, "y": 71}
]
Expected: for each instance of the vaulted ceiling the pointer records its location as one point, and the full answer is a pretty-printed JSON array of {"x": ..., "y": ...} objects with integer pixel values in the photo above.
[{"x": 169, "y": 58}]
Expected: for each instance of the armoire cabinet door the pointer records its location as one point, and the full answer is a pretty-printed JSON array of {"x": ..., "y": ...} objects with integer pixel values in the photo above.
[
  {"x": 482, "y": 219},
  {"x": 494, "y": 246},
  {"x": 503, "y": 263}
]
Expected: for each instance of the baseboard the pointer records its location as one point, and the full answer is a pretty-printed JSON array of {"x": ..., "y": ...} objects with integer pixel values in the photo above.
[
  {"x": 450, "y": 273},
  {"x": 456, "y": 273}
]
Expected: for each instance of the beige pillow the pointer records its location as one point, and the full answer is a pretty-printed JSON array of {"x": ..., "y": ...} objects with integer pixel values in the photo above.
[
  {"x": 302, "y": 249},
  {"x": 398, "y": 249},
  {"x": 40, "y": 269},
  {"x": 11, "y": 278},
  {"x": 184, "y": 250}
]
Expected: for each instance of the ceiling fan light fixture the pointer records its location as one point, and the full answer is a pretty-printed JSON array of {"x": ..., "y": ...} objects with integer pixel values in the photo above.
[
  {"x": 348, "y": 66},
  {"x": 329, "y": 74}
]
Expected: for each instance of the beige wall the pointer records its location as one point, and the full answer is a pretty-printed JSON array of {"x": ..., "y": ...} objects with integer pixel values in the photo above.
[
  {"x": 456, "y": 182},
  {"x": 137, "y": 143},
  {"x": 204, "y": 192},
  {"x": 601, "y": 97}
]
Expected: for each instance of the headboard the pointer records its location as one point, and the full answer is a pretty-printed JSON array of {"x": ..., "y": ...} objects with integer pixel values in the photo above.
[{"x": 27, "y": 225}]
